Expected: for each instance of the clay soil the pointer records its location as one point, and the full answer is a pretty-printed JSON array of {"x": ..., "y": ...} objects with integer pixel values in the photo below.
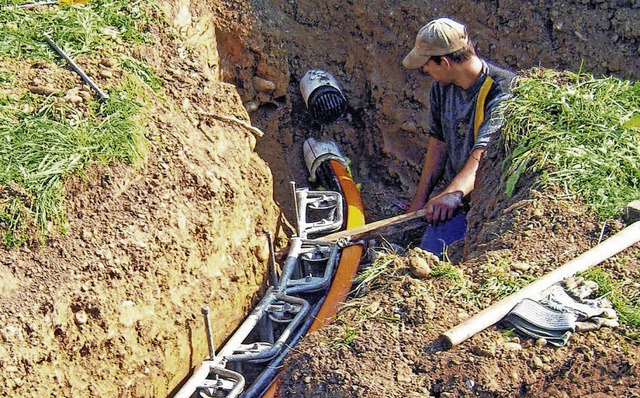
[{"x": 112, "y": 307}]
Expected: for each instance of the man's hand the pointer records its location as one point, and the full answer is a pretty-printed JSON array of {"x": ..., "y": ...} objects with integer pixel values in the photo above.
[{"x": 442, "y": 207}]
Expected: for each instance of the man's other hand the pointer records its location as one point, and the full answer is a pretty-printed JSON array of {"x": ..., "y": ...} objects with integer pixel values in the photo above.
[{"x": 442, "y": 207}]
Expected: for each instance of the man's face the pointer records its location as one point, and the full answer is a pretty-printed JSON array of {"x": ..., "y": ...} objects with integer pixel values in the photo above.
[{"x": 438, "y": 72}]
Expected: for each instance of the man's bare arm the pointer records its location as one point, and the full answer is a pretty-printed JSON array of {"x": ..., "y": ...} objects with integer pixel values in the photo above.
[{"x": 432, "y": 169}]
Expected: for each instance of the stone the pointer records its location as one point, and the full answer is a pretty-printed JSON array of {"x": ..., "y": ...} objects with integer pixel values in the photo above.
[
  {"x": 263, "y": 85},
  {"x": 488, "y": 352},
  {"x": 81, "y": 317},
  {"x": 537, "y": 362},
  {"x": 73, "y": 99},
  {"x": 419, "y": 267},
  {"x": 541, "y": 342},
  {"x": 409, "y": 126},
  {"x": 511, "y": 346},
  {"x": 108, "y": 62},
  {"x": 520, "y": 266},
  {"x": 42, "y": 90},
  {"x": 261, "y": 249},
  {"x": 251, "y": 106}
]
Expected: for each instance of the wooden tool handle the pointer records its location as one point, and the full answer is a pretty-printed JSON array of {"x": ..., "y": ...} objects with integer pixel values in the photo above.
[{"x": 390, "y": 225}]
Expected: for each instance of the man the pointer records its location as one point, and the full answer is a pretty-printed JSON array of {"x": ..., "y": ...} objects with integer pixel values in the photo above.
[{"x": 464, "y": 99}]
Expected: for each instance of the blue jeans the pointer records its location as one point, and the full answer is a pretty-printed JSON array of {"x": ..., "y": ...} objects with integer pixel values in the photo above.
[{"x": 437, "y": 237}]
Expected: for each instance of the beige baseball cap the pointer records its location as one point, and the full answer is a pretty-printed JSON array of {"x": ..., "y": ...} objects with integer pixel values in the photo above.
[{"x": 439, "y": 37}]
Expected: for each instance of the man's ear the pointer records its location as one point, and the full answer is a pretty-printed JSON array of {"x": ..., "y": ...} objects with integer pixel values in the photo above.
[{"x": 446, "y": 61}]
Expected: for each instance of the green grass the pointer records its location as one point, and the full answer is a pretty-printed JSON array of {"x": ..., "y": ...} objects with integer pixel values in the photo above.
[
  {"x": 78, "y": 29},
  {"x": 578, "y": 131},
  {"x": 623, "y": 294},
  {"x": 448, "y": 271},
  {"x": 384, "y": 264},
  {"x": 499, "y": 280},
  {"x": 142, "y": 70},
  {"x": 502, "y": 285},
  {"x": 44, "y": 141},
  {"x": 350, "y": 335},
  {"x": 40, "y": 150},
  {"x": 6, "y": 78}
]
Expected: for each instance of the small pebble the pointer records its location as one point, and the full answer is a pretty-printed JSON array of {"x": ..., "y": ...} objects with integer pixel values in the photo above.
[
  {"x": 251, "y": 106},
  {"x": 42, "y": 90},
  {"x": 541, "y": 342},
  {"x": 409, "y": 126},
  {"x": 263, "y": 85},
  {"x": 510, "y": 346},
  {"x": 538, "y": 362},
  {"x": 108, "y": 62},
  {"x": 74, "y": 99},
  {"x": 520, "y": 266},
  {"x": 106, "y": 73},
  {"x": 81, "y": 317}
]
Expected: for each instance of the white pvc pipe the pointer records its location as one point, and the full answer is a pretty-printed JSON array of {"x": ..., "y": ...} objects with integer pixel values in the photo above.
[{"x": 489, "y": 316}]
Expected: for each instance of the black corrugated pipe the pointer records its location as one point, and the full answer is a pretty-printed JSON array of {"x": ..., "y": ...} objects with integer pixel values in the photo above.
[{"x": 323, "y": 96}]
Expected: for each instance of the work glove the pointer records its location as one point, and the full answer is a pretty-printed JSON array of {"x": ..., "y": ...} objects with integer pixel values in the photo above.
[
  {"x": 572, "y": 296},
  {"x": 602, "y": 313},
  {"x": 563, "y": 309}
]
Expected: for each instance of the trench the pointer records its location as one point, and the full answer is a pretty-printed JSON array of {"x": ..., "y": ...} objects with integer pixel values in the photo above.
[
  {"x": 113, "y": 308},
  {"x": 382, "y": 131},
  {"x": 303, "y": 296}
]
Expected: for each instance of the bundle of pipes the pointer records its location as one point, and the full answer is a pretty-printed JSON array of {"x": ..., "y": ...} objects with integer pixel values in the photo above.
[{"x": 316, "y": 278}]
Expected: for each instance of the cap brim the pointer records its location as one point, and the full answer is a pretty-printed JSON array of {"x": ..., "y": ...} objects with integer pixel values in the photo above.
[{"x": 413, "y": 60}]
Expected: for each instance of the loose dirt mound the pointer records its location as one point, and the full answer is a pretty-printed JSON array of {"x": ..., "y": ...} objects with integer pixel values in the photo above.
[{"x": 388, "y": 343}]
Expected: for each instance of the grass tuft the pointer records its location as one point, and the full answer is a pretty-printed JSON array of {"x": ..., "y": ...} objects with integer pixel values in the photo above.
[
  {"x": 40, "y": 150},
  {"x": 44, "y": 140},
  {"x": 77, "y": 29},
  {"x": 623, "y": 294},
  {"x": 578, "y": 131},
  {"x": 384, "y": 264}
]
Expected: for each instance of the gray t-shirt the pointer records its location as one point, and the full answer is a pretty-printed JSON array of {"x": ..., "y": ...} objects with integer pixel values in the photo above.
[{"x": 452, "y": 112}]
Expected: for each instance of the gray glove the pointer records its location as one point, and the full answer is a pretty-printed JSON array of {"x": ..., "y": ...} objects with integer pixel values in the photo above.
[
  {"x": 564, "y": 308},
  {"x": 591, "y": 314}
]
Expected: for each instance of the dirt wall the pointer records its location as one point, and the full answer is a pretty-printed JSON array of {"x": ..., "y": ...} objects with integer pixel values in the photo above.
[{"x": 112, "y": 307}]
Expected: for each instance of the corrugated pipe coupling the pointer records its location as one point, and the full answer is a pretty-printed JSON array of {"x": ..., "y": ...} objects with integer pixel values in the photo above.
[{"x": 323, "y": 96}]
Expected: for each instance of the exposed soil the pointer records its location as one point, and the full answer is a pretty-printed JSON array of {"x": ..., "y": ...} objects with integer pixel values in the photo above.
[{"x": 112, "y": 307}]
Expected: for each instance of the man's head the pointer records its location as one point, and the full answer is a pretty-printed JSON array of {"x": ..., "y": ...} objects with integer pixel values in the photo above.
[{"x": 442, "y": 36}]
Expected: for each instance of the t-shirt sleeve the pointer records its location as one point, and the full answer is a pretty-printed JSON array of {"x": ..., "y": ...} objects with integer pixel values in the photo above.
[{"x": 493, "y": 121}]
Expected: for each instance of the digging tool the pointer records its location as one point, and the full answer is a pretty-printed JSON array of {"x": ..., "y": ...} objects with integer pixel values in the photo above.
[
  {"x": 87, "y": 79},
  {"x": 388, "y": 226}
]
